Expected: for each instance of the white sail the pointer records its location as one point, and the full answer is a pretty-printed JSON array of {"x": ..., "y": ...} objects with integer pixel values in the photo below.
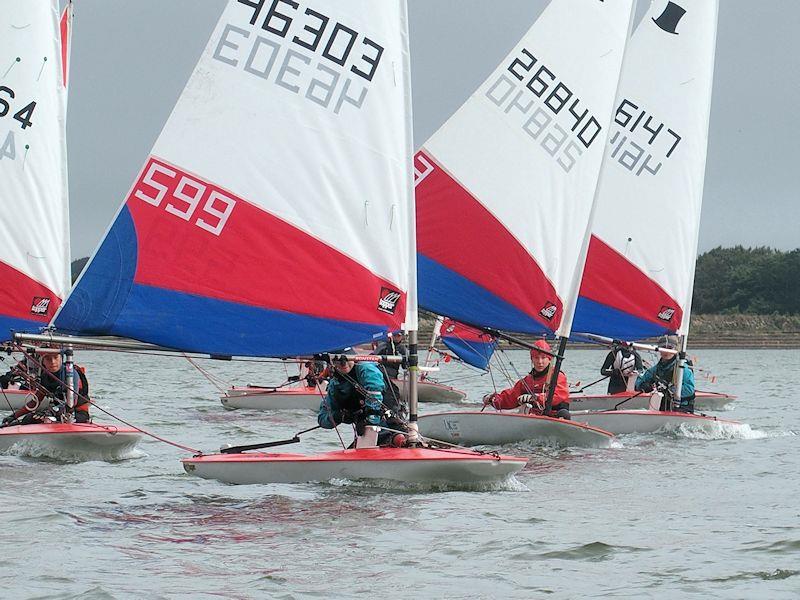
[
  {"x": 272, "y": 216},
  {"x": 505, "y": 188},
  {"x": 34, "y": 254},
  {"x": 640, "y": 269}
]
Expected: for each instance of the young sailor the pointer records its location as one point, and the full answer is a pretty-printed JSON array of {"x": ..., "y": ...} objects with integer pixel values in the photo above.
[
  {"x": 393, "y": 346},
  {"x": 662, "y": 375},
  {"x": 359, "y": 394},
  {"x": 51, "y": 383},
  {"x": 621, "y": 364},
  {"x": 531, "y": 388}
]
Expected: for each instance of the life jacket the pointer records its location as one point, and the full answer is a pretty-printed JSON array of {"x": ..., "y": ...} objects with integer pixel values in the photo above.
[
  {"x": 82, "y": 398},
  {"x": 391, "y": 398}
]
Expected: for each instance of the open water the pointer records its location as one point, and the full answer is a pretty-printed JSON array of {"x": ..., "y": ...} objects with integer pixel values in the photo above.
[{"x": 685, "y": 514}]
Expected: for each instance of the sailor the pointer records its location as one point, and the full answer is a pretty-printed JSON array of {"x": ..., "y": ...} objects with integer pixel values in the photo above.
[
  {"x": 359, "y": 394},
  {"x": 661, "y": 377},
  {"x": 393, "y": 345},
  {"x": 51, "y": 383},
  {"x": 530, "y": 390},
  {"x": 315, "y": 372},
  {"x": 622, "y": 364}
]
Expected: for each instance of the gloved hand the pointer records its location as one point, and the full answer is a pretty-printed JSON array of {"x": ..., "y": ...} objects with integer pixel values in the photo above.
[
  {"x": 8, "y": 420},
  {"x": 489, "y": 399}
]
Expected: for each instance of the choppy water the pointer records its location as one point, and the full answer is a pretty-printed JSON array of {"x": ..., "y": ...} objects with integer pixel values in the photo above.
[{"x": 676, "y": 515}]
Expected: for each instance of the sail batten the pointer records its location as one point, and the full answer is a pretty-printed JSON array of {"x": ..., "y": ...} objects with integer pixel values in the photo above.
[
  {"x": 270, "y": 217},
  {"x": 505, "y": 188}
]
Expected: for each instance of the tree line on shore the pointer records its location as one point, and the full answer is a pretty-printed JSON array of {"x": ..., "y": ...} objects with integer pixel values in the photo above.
[
  {"x": 749, "y": 281},
  {"x": 734, "y": 280}
]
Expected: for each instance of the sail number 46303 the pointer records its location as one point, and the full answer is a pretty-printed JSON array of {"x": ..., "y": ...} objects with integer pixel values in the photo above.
[{"x": 184, "y": 194}]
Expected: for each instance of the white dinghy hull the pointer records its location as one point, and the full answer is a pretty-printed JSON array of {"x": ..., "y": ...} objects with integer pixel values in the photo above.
[
  {"x": 703, "y": 401},
  {"x": 497, "y": 428},
  {"x": 435, "y": 393},
  {"x": 256, "y": 398},
  {"x": 621, "y": 422},
  {"x": 413, "y": 465},
  {"x": 87, "y": 440}
]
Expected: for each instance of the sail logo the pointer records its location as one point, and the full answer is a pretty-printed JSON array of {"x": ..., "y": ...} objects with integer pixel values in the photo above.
[
  {"x": 302, "y": 50},
  {"x": 40, "y": 305},
  {"x": 666, "y": 313},
  {"x": 554, "y": 117},
  {"x": 388, "y": 300},
  {"x": 669, "y": 19},
  {"x": 549, "y": 311}
]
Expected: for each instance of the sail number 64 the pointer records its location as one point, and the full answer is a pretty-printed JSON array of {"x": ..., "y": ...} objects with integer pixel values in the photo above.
[{"x": 184, "y": 195}]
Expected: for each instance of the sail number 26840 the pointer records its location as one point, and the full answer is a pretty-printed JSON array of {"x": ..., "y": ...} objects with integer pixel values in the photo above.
[{"x": 184, "y": 194}]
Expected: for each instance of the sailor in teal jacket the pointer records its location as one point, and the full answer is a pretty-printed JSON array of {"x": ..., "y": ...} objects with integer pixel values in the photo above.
[
  {"x": 346, "y": 402},
  {"x": 663, "y": 371}
]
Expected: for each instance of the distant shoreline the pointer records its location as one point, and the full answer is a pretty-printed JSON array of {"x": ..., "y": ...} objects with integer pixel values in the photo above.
[{"x": 780, "y": 332}]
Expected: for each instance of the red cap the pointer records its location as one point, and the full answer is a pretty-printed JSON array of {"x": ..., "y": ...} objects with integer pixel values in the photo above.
[{"x": 542, "y": 345}]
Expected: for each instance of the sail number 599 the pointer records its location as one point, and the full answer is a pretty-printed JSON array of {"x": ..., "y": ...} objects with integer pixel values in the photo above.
[{"x": 184, "y": 195}]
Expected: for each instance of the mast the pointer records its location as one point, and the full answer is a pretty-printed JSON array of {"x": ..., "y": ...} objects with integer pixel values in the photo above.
[{"x": 411, "y": 324}]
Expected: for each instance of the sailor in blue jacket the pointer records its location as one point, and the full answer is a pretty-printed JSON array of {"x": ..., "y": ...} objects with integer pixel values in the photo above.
[
  {"x": 346, "y": 402},
  {"x": 663, "y": 372}
]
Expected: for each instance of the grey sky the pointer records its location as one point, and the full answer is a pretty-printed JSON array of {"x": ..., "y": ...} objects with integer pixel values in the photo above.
[{"x": 130, "y": 61}]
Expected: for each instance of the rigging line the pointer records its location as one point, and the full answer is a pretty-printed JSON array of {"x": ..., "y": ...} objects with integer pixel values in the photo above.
[
  {"x": 450, "y": 446},
  {"x": 211, "y": 379},
  {"x": 524, "y": 382},
  {"x": 113, "y": 416}
]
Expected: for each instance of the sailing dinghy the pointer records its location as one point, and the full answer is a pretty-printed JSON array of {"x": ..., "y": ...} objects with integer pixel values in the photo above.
[
  {"x": 512, "y": 174},
  {"x": 69, "y": 440},
  {"x": 298, "y": 397},
  {"x": 34, "y": 255},
  {"x": 301, "y": 397},
  {"x": 635, "y": 401},
  {"x": 637, "y": 284},
  {"x": 620, "y": 422},
  {"x": 292, "y": 141}
]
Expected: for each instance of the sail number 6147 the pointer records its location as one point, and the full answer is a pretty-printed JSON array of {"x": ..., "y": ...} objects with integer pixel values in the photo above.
[{"x": 184, "y": 194}]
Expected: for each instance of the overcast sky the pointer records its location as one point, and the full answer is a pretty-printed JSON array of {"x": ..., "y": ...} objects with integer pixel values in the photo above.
[{"x": 131, "y": 59}]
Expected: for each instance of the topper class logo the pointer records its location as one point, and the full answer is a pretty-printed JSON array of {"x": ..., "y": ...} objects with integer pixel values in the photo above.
[
  {"x": 666, "y": 313},
  {"x": 548, "y": 311},
  {"x": 669, "y": 19},
  {"x": 388, "y": 300},
  {"x": 40, "y": 305}
]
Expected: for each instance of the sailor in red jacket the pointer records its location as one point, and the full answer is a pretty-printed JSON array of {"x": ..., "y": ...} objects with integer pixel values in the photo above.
[{"x": 530, "y": 389}]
